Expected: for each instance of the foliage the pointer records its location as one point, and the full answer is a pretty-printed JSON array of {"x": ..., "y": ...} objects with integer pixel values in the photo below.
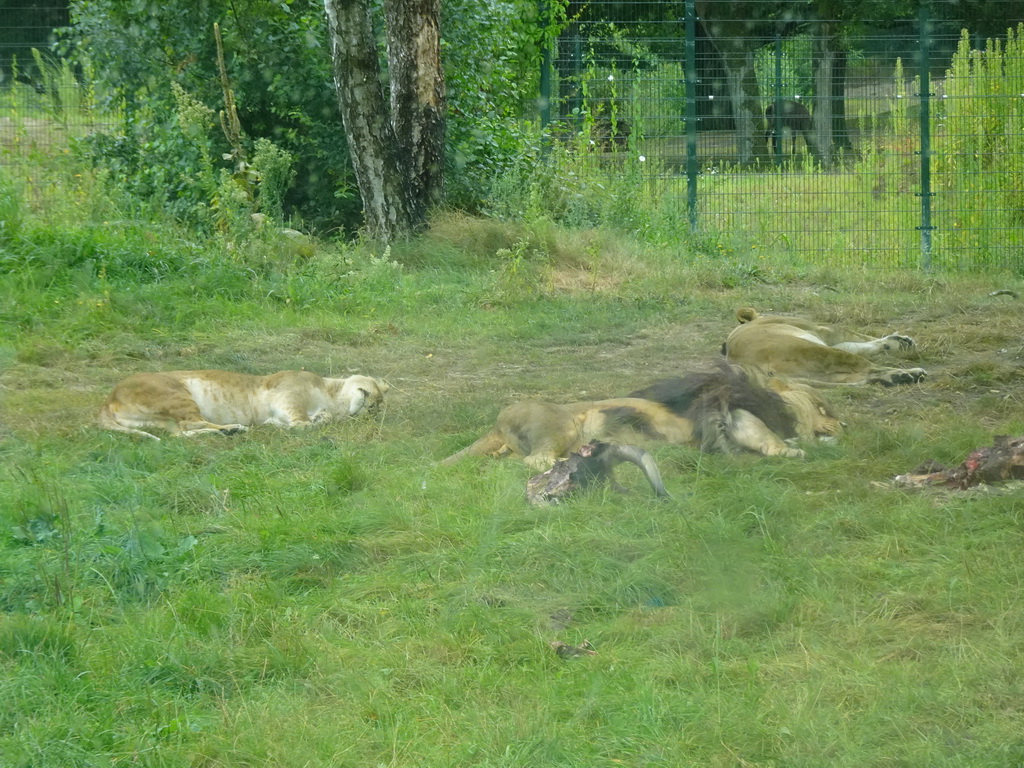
[
  {"x": 491, "y": 52},
  {"x": 279, "y": 72},
  {"x": 11, "y": 210},
  {"x": 982, "y": 145},
  {"x": 796, "y": 65},
  {"x": 279, "y": 68},
  {"x": 57, "y": 78},
  {"x": 553, "y": 184},
  {"x": 273, "y": 172}
]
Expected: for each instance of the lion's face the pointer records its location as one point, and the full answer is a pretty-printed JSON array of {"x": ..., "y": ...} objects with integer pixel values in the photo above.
[
  {"x": 364, "y": 394},
  {"x": 814, "y": 415}
]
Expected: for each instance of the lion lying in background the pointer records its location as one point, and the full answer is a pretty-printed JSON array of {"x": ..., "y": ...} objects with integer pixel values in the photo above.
[
  {"x": 190, "y": 403},
  {"x": 816, "y": 354},
  {"x": 723, "y": 410}
]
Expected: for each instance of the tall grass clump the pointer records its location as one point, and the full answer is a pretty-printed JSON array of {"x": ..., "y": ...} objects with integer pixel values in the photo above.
[
  {"x": 11, "y": 210},
  {"x": 981, "y": 141},
  {"x": 68, "y": 97}
]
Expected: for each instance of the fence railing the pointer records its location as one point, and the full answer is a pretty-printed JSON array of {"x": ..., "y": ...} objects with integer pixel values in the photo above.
[{"x": 890, "y": 143}]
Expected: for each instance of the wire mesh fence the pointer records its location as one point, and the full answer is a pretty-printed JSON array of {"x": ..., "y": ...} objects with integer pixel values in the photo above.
[
  {"x": 888, "y": 142},
  {"x": 40, "y": 96},
  {"x": 884, "y": 142}
]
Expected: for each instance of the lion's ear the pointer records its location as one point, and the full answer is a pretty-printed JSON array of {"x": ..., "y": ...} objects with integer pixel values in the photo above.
[
  {"x": 383, "y": 386},
  {"x": 746, "y": 314}
]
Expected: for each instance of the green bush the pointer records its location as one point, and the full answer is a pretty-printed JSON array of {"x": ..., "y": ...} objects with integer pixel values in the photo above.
[
  {"x": 280, "y": 74},
  {"x": 980, "y": 145},
  {"x": 280, "y": 71}
]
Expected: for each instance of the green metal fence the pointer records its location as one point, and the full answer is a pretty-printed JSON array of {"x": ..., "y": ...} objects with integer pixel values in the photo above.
[
  {"x": 753, "y": 124},
  {"x": 886, "y": 142},
  {"x": 44, "y": 104}
]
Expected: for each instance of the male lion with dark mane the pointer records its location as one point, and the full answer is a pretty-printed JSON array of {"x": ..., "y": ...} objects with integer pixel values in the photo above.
[
  {"x": 815, "y": 354},
  {"x": 723, "y": 410}
]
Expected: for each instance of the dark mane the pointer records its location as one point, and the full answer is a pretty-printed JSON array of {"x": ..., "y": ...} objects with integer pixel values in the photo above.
[{"x": 723, "y": 387}]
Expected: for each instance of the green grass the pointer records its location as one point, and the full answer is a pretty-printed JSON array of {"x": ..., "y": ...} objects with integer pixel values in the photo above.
[{"x": 336, "y": 598}]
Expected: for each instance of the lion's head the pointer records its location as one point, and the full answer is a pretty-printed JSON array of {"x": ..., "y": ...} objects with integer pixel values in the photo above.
[
  {"x": 363, "y": 394},
  {"x": 814, "y": 415}
]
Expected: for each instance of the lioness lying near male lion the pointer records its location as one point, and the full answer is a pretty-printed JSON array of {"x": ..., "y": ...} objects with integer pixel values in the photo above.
[
  {"x": 190, "y": 403},
  {"x": 816, "y": 354},
  {"x": 724, "y": 410}
]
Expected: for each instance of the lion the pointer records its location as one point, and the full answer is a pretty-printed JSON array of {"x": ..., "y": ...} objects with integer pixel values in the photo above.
[
  {"x": 788, "y": 408},
  {"x": 814, "y": 354},
  {"x": 724, "y": 410},
  {"x": 187, "y": 403}
]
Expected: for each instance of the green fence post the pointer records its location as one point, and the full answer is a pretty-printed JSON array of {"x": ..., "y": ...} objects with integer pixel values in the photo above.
[
  {"x": 924, "y": 51},
  {"x": 690, "y": 77}
]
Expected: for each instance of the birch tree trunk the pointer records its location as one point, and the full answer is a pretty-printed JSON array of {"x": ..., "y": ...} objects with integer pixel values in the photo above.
[
  {"x": 824, "y": 59},
  {"x": 396, "y": 144},
  {"x": 830, "y": 128},
  {"x": 418, "y": 94}
]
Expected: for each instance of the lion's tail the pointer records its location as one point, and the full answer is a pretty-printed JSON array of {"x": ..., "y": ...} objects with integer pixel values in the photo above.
[
  {"x": 491, "y": 443},
  {"x": 107, "y": 420},
  {"x": 746, "y": 314}
]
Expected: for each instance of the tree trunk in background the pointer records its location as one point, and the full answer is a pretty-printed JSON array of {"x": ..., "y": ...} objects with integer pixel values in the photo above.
[
  {"x": 746, "y": 105},
  {"x": 396, "y": 145},
  {"x": 824, "y": 63},
  {"x": 418, "y": 94},
  {"x": 736, "y": 31},
  {"x": 840, "y": 130},
  {"x": 830, "y": 128}
]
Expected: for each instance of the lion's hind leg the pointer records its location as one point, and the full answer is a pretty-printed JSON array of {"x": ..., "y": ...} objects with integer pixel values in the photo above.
[
  {"x": 108, "y": 421},
  {"x": 148, "y": 400},
  {"x": 542, "y": 460},
  {"x": 135, "y": 424},
  {"x": 491, "y": 444},
  {"x": 540, "y": 432},
  {"x": 890, "y": 377},
  {"x": 823, "y": 364},
  {"x": 181, "y": 416},
  {"x": 189, "y": 429}
]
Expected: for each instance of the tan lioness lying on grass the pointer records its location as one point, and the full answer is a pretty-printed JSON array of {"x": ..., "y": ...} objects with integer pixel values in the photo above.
[
  {"x": 190, "y": 403},
  {"x": 723, "y": 410},
  {"x": 816, "y": 354}
]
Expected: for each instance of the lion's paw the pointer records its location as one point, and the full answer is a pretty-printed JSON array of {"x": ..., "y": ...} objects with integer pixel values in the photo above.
[
  {"x": 897, "y": 341},
  {"x": 901, "y": 376}
]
